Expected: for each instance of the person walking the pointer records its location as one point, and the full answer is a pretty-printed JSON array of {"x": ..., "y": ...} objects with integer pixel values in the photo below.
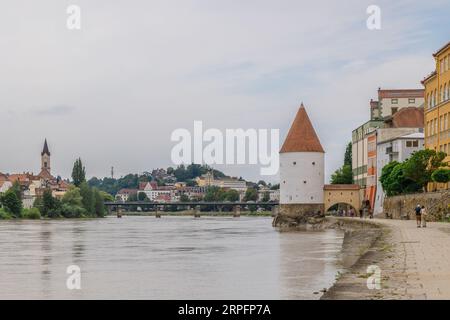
[
  {"x": 418, "y": 215},
  {"x": 423, "y": 214},
  {"x": 361, "y": 213}
]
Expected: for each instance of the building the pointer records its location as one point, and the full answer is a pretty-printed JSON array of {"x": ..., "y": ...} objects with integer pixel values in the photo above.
[
  {"x": 437, "y": 103},
  {"x": 273, "y": 195},
  {"x": 153, "y": 191},
  {"x": 301, "y": 168},
  {"x": 303, "y": 194},
  {"x": 208, "y": 180},
  {"x": 395, "y": 108},
  {"x": 124, "y": 195},
  {"x": 394, "y": 147}
]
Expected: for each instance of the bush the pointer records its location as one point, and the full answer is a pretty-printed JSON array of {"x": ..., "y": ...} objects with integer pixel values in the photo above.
[
  {"x": 72, "y": 211},
  {"x": 4, "y": 215},
  {"x": 441, "y": 175},
  {"x": 11, "y": 203},
  {"x": 32, "y": 213}
]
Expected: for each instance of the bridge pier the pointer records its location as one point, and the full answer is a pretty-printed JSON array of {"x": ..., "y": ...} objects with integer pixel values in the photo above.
[
  {"x": 237, "y": 211},
  {"x": 157, "y": 213},
  {"x": 197, "y": 212},
  {"x": 119, "y": 212}
]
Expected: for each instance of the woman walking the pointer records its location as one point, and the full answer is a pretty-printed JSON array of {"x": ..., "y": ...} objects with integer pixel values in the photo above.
[{"x": 423, "y": 214}]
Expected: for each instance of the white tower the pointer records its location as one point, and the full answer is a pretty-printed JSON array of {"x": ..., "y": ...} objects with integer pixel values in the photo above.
[{"x": 301, "y": 173}]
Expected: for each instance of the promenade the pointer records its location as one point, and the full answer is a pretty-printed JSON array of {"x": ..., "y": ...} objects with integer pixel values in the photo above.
[{"x": 414, "y": 264}]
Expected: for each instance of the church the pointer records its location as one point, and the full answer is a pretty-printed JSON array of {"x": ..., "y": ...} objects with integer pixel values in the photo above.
[{"x": 33, "y": 186}]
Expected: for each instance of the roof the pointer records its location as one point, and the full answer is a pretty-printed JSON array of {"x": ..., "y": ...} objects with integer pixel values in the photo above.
[
  {"x": 301, "y": 136},
  {"x": 441, "y": 49},
  {"x": 341, "y": 187},
  {"x": 44, "y": 174},
  {"x": 127, "y": 191},
  {"x": 415, "y": 135},
  {"x": 409, "y": 117},
  {"x": 45, "y": 150},
  {"x": 400, "y": 93},
  {"x": 431, "y": 75}
]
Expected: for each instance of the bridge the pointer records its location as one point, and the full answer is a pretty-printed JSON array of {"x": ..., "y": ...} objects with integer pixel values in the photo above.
[{"x": 196, "y": 206}]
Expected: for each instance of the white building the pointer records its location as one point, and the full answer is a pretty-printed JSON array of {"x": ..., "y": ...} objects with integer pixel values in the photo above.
[
  {"x": 153, "y": 191},
  {"x": 394, "y": 148},
  {"x": 302, "y": 164},
  {"x": 4, "y": 186}
]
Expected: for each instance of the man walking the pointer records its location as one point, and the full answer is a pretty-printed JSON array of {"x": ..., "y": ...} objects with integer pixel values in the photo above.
[{"x": 418, "y": 215}]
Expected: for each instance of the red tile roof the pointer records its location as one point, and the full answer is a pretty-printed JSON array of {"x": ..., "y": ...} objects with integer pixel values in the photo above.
[
  {"x": 302, "y": 137},
  {"x": 410, "y": 117},
  {"x": 400, "y": 93}
]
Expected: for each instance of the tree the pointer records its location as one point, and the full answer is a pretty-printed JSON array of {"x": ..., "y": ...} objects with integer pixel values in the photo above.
[
  {"x": 266, "y": 197},
  {"x": 141, "y": 196},
  {"x": 348, "y": 155},
  {"x": 396, "y": 182},
  {"x": 214, "y": 194},
  {"x": 88, "y": 201},
  {"x": 422, "y": 164},
  {"x": 73, "y": 197},
  {"x": 184, "y": 198},
  {"x": 441, "y": 175},
  {"x": 232, "y": 195},
  {"x": 50, "y": 206},
  {"x": 98, "y": 203},
  {"x": 251, "y": 195},
  {"x": 78, "y": 173},
  {"x": 12, "y": 203},
  {"x": 385, "y": 174},
  {"x": 342, "y": 175}
]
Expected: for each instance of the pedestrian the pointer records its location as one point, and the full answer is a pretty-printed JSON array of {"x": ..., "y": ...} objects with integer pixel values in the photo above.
[
  {"x": 361, "y": 213},
  {"x": 424, "y": 214},
  {"x": 418, "y": 215}
]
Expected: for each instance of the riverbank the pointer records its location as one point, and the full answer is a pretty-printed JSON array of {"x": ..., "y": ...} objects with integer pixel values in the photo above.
[{"x": 414, "y": 263}]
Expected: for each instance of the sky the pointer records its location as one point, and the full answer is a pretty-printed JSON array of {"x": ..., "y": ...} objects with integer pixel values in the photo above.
[{"x": 113, "y": 91}]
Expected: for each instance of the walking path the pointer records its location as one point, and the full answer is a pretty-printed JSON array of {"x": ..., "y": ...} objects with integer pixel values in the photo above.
[
  {"x": 427, "y": 257},
  {"x": 414, "y": 263}
]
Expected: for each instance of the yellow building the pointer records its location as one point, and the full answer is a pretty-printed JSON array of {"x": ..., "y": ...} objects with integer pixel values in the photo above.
[
  {"x": 437, "y": 107},
  {"x": 437, "y": 103}
]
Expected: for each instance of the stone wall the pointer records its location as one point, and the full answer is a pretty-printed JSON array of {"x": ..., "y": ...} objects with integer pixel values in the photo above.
[
  {"x": 436, "y": 203},
  {"x": 298, "y": 215}
]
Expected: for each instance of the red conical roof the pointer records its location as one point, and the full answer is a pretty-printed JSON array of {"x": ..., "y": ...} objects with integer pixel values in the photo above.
[{"x": 302, "y": 137}]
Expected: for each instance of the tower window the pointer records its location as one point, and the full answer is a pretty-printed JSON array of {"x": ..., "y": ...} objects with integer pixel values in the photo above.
[
  {"x": 295, "y": 163},
  {"x": 304, "y": 181},
  {"x": 314, "y": 163},
  {"x": 45, "y": 164}
]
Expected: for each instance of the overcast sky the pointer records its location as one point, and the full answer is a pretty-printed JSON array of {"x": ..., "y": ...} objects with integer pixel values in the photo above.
[{"x": 113, "y": 92}]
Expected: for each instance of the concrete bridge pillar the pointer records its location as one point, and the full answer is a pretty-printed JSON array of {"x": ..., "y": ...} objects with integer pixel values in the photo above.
[
  {"x": 157, "y": 212},
  {"x": 119, "y": 212},
  {"x": 197, "y": 212},
  {"x": 237, "y": 211}
]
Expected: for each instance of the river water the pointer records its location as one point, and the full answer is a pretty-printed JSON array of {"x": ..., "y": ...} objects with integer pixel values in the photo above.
[{"x": 167, "y": 258}]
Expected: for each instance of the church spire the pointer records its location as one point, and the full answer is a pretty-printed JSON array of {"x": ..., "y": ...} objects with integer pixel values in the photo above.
[{"x": 45, "y": 150}]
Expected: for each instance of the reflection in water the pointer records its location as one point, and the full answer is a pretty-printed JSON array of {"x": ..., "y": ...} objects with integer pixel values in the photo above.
[{"x": 168, "y": 258}]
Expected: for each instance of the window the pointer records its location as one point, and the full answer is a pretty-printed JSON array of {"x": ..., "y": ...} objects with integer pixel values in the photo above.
[
  {"x": 415, "y": 143},
  {"x": 394, "y": 101},
  {"x": 411, "y": 100},
  {"x": 408, "y": 144}
]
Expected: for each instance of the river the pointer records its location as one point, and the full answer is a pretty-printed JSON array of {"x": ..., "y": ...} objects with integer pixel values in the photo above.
[{"x": 167, "y": 258}]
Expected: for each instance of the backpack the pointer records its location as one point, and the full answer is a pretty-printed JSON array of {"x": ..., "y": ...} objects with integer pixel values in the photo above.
[{"x": 418, "y": 210}]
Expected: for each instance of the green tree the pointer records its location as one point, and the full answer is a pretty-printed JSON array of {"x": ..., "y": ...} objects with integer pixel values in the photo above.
[
  {"x": 184, "y": 198},
  {"x": 73, "y": 197},
  {"x": 78, "y": 173},
  {"x": 141, "y": 196},
  {"x": 251, "y": 194},
  {"x": 348, "y": 155},
  {"x": 422, "y": 164},
  {"x": 88, "y": 200},
  {"x": 343, "y": 175},
  {"x": 441, "y": 175},
  {"x": 266, "y": 197},
  {"x": 99, "y": 203},
  {"x": 50, "y": 205},
  {"x": 12, "y": 203},
  {"x": 385, "y": 174},
  {"x": 398, "y": 183},
  {"x": 232, "y": 195}
]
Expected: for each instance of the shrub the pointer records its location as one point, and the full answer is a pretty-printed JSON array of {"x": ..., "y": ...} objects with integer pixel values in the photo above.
[
  {"x": 441, "y": 175},
  {"x": 32, "y": 213},
  {"x": 4, "y": 215},
  {"x": 11, "y": 203},
  {"x": 72, "y": 211}
]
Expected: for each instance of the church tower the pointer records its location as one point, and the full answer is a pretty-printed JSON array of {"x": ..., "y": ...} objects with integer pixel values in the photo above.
[
  {"x": 301, "y": 174},
  {"x": 45, "y": 158}
]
